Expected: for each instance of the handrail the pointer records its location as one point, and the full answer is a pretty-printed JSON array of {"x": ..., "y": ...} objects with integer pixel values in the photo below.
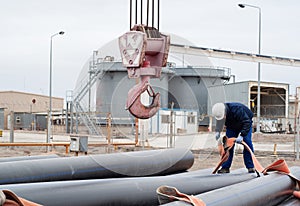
[{"x": 22, "y": 144}]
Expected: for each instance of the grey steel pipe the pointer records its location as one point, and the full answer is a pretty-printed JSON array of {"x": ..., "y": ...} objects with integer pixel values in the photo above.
[
  {"x": 142, "y": 163},
  {"x": 135, "y": 191},
  {"x": 292, "y": 201},
  {"x": 264, "y": 191},
  {"x": 22, "y": 158}
]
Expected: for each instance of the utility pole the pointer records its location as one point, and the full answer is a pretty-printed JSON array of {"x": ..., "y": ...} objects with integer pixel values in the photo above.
[
  {"x": 171, "y": 125},
  {"x": 12, "y": 125}
]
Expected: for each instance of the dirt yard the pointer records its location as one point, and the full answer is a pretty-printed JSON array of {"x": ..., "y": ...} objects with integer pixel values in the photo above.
[
  {"x": 204, "y": 158},
  {"x": 208, "y": 158}
]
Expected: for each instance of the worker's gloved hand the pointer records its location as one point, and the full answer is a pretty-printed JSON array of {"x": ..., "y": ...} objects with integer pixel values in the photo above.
[
  {"x": 217, "y": 135},
  {"x": 239, "y": 139}
]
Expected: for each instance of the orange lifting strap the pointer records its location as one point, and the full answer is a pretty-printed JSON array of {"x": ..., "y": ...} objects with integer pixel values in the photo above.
[
  {"x": 167, "y": 193},
  {"x": 8, "y": 198},
  {"x": 279, "y": 165}
]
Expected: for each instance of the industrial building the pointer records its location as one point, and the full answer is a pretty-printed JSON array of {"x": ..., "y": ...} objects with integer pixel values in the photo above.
[
  {"x": 30, "y": 110},
  {"x": 183, "y": 83},
  {"x": 294, "y": 112},
  {"x": 185, "y": 87},
  {"x": 188, "y": 82},
  {"x": 274, "y": 115},
  {"x": 184, "y": 121}
]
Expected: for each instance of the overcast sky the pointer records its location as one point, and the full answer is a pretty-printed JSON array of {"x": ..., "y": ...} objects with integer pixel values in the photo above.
[{"x": 27, "y": 25}]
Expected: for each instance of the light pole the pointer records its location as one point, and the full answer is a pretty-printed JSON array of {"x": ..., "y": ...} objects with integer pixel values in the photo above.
[
  {"x": 50, "y": 90},
  {"x": 258, "y": 69}
]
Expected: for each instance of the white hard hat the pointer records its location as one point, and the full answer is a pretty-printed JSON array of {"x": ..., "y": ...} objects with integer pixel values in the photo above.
[{"x": 218, "y": 111}]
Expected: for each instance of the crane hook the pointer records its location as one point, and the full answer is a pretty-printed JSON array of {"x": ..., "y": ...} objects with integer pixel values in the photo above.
[{"x": 136, "y": 107}]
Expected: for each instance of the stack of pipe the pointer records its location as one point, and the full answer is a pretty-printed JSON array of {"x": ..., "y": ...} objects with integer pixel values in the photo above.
[
  {"x": 132, "y": 178},
  {"x": 121, "y": 191}
]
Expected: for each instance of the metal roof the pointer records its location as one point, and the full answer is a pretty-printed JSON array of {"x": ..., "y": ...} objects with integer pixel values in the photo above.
[{"x": 203, "y": 71}]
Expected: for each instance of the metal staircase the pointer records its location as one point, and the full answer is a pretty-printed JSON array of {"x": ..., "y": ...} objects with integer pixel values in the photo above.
[
  {"x": 86, "y": 119},
  {"x": 96, "y": 70}
]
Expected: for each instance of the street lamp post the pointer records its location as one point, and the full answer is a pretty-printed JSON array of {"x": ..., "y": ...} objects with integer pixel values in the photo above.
[
  {"x": 258, "y": 69},
  {"x": 50, "y": 90}
]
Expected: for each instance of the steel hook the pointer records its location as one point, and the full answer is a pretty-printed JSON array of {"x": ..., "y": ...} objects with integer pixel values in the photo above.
[{"x": 136, "y": 107}]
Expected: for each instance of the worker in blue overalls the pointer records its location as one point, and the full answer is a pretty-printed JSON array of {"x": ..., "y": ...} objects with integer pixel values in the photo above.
[{"x": 238, "y": 121}]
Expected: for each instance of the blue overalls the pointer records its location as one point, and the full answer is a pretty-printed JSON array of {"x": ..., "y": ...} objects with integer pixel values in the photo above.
[{"x": 239, "y": 121}]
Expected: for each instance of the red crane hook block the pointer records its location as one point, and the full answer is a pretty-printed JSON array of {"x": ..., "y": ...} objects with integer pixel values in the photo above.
[{"x": 144, "y": 51}]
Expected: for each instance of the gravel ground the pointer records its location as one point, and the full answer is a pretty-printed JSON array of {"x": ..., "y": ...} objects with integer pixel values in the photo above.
[
  {"x": 208, "y": 158},
  {"x": 204, "y": 158}
]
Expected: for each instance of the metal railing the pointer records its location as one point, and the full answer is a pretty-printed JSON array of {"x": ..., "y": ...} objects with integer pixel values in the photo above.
[{"x": 97, "y": 70}]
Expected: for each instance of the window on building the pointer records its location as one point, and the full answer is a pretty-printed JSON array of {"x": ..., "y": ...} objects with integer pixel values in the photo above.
[
  {"x": 165, "y": 118},
  {"x": 18, "y": 120},
  {"x": 191, "y": 119}
]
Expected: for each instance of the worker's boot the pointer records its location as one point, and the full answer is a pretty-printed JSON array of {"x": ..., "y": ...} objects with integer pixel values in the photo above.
[
  {"x": 223, "y": 170},
  {"x": 251, "y": 170}
]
